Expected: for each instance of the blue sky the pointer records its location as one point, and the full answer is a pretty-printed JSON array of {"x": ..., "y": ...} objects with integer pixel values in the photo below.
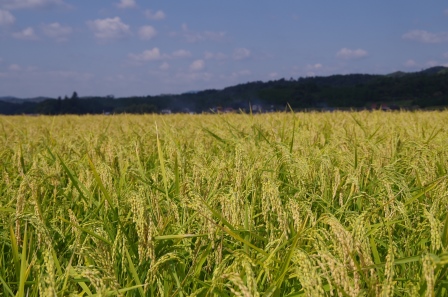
[{"x": 136, "y": 47}]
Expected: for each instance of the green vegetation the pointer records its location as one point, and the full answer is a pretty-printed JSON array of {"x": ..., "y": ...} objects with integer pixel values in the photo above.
[
  {"x": 280, "y": 204},
  {"x": 420, "y": 90}
]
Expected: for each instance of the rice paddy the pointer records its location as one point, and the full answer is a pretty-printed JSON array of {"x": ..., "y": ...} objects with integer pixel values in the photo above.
[{"x": 282, "y": 204}]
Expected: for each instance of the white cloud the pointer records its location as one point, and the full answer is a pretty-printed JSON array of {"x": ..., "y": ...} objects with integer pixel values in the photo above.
[
  {"x": 70, "y": 75},
  {"x": 346, "y": 53},
  {"x": 213, "y": 36},
  {"x": 109, "y": 28},
  {"x": 238, "y": 74},
  {"x": 148, "y": 55},
  {"x": 57, "y": 31},
  {"x": 431, "y": 63},
  {"x": 126, "y": 4},
  {"x": 241, "y": 53},
  {"x": 24, "y": 4},
  {"x": 214, "y": 56},
  {"x": 156, "y": 16},
  {"x": 6, "y": 18},
  {"x": 273, "y": 75},
  {"x": 425, "y": 36},
  {"x": 181, "y": 54},
  {"x": 193, "y": 76},
  {"x": 26, "y": 34},
  {"x": 15, "y": 67},
  {"x": 147, "y": 32},
  {"x": 155, "y": 54},
  {"x": 316, "y": 66},
  {"x": 410, "y": 63},
  {"x": 191, "y": 36},
  {"x": 197, "y": 65},
  {"x": 164, "y": 66}
]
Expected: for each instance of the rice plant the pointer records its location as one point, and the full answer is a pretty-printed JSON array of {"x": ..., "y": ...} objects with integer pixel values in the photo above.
[{"x": 282, "y": 204}]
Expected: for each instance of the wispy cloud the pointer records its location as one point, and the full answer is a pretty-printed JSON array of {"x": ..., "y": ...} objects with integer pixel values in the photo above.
[
  {"x": 14, "y": 67},
  {"x": 410, "y": 63},
  {"x": 181, "y": 54},
  {"x": 126, "y": 4},
  {"x": 6, "y": 18},
  {"x": 164, "y": 66},
  {"x": 316, "y": 66},
  {"x": 192, "y": 37},
  {"x": 26, "y": 34},
  {"x": 241, "y": 53},
  {"x": 197, "y": 65},
  {"x": 192, "y": 76},
  {"x": 346, "y": 53},
  {"x": 155, "y": 54},
  {"x": 57, "y": 31},
  {"x": 109, "y": 28},
  {"x": 155, "y": 16},
  {"x": 425, "y": 36},
  {"x": 148, "y": 55},
  {"x": 147, "y": 32},
  {"x": 29, "y": 4},
  {"x": 214, "y": 56},
  {"x": 432, "y": 63},
  {"x": 240, "y": 73},
  {"x": 273, "y": 75}
]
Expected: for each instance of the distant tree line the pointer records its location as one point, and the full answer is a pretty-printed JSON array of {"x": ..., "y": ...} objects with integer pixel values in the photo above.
[{"x": 426, "y": 88}]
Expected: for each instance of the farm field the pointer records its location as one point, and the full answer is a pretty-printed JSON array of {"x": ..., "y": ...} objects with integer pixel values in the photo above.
[{"x": 282, "y": 204}]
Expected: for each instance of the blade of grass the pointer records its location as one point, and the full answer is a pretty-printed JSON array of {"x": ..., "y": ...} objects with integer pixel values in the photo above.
[
  {"x": 404, "y": 260},
  {"x": 274, "y": 289},
  {"x": 118, "y": 292},
  {"x": 162, "y": 163},
  {"x": 215, "y": 136},
  {"x": 425, "y": 190},
  {"x": 23, "y": 265},
  {"x": 445, "y": 232},
  {"x": 176, "y": 176},
  {"x": 76, "y": 183},
  {"x": 80, "y": 282},
  {"x": 376, "y": 256},
  {"x": 7, "y": 209},
  {"x": 15, "y": 252},
  {"x": 179, "y": 236},
  {"x": 6, "y": 287},
  {"x": 134, "y": 273},
  {"x": 100, "y": 183},
  {"x": 237, "y": 237},
  {"x": 87, "y": 231}
]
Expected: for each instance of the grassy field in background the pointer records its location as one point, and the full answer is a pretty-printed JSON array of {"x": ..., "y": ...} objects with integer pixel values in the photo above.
[{"x": 307, "y": 204}]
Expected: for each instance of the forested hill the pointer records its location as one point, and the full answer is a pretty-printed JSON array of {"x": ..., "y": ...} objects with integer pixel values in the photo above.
[{"x": 427, "y": 88}]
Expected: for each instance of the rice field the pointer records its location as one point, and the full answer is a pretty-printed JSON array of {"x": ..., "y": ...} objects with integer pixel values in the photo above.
[{"x": 283, "y": 204}]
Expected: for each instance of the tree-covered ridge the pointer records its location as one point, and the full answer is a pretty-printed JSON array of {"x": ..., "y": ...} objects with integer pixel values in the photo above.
[{"x": 426, "y": 88}]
